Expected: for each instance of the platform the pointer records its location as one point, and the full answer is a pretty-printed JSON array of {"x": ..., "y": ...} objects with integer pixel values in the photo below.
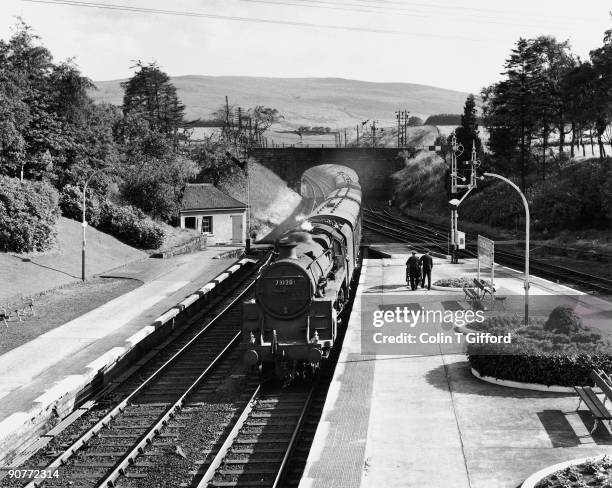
[
  {"x": 60, "y": 363},
  {"x": 422, "y": 419}
]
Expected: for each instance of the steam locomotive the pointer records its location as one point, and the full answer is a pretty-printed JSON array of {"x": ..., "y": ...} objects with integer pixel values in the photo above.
[{"x": 292, "y": 323}]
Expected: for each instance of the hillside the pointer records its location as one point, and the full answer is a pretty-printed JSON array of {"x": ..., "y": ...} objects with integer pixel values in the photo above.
[
  {"x": 330, "y": 102},
  {"x": 272, "y": 201},
  {"x": 63, "y": 265}
]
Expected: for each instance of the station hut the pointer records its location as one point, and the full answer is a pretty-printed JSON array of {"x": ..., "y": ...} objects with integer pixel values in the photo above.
[{"x": 210, "y": 211}]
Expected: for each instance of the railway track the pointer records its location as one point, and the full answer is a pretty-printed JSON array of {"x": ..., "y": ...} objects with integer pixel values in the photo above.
[
  {"x": 257, "y": 450},
  {"x": 177, "y": 379},
  {"x": 269, "y": 443},
  {"x": 434, "y": 238}
]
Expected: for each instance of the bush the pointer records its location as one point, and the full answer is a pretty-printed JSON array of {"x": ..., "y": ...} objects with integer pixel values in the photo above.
[
  {"x": 71, "y": 204},
  {"x": 541, "y": 356},
  {"x": 563, "y": 320},
  {"x": 131, "y": 226},
  {"x": 28, "y": 213}
]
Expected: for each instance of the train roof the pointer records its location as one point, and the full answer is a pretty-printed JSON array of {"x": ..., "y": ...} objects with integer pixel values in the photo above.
[
  {"x": 337, "y": 208},
  {"x": 347, "y": 192}
]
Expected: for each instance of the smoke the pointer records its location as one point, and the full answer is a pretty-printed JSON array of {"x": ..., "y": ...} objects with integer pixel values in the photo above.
[{"x": 306, "y": 225}]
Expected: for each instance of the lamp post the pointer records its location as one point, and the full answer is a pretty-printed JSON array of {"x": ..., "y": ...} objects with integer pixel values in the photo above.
[
  {"x": 248, "y": 215},
  {"x": 526, "y": 205},
  {"x": 84, "y": 224}
]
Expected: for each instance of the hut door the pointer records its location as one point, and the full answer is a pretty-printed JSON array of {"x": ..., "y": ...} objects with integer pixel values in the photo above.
[{"x": 237, "y": 228}]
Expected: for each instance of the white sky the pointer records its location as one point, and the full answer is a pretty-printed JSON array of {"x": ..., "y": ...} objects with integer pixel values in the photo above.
[{"x": 457, "y": 45}]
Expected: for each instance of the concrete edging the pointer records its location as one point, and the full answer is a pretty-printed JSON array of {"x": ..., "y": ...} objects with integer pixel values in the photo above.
[
  {"x": 524, "y": 386},
  {"x": 538, "y": 476},
  {"x": 450, "y": 289}
]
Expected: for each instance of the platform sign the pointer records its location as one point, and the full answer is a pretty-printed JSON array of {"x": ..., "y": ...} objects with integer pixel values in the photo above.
[
  {"x": 460, "y": 240},
  {"x": 486, "y": 253}
]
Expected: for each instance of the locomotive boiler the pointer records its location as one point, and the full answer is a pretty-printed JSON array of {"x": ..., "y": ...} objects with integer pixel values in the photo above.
[{"x": 292, "y": 323}]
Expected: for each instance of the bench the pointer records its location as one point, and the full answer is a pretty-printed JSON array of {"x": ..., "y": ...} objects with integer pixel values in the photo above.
[
  {"x": 472, "y": 296},
  {"x": 591, "y": 400},
  {"x": 484, "y": 287},
  {"x": 27, "y": 309}
]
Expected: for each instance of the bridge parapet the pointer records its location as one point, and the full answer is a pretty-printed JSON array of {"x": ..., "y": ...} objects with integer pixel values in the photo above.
[{"x": 373, "y": 165}]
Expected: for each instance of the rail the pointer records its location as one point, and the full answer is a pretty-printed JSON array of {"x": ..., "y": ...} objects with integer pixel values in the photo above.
[{"x": 151, "y": 432}]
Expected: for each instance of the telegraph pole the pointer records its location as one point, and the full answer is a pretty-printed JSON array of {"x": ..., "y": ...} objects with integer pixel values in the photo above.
[
  {"x": 402, "y": 124},
  {"x": 373, "y": 133}
]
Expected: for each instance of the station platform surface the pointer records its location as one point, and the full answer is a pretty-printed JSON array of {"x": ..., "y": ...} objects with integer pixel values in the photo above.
[
  {"x": 422, "y": 419},
  {"x": 67, "y": 357}
]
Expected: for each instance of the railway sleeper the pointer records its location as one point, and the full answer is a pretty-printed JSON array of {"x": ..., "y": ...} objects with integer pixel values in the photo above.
[
  {"x": 259, "y": 430},
  {"x": 248, "y": 470},
  {"x": 251, "y": 460},
  {"x": 271, "y": 414},
  {"x": 97, "y": 464},
  {"x": 256, "y": 441},
  {"x": 252, "y": 450}
]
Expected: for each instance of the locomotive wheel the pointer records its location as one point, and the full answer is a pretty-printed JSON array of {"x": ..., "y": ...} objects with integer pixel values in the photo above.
[{"x": 311, "y": 370}]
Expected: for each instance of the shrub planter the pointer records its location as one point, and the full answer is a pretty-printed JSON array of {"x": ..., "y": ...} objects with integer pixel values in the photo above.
[
  {"x": 537, "y": 356},
  {"x": 543, "y": 474},
  {"x": 525, "y": 386}
]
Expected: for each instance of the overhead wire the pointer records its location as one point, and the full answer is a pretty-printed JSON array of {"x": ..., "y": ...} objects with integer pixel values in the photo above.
[
  {"x": 406, "y": 12},
  {"x": 447, "y": 7},
  {"x": 148, "y": 10}
]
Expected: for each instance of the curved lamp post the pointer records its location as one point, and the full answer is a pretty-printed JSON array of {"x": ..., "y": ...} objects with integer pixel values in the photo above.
[
  {"x": 525, "y": 204},
  {"x": 84, "y": 223}
]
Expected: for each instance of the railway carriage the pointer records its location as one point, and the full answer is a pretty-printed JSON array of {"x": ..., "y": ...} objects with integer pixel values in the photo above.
[{"x": 292, "y": 323}]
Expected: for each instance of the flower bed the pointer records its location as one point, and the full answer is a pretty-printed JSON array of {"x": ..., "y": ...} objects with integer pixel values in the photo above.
[
  {"x": 455, "y": 282},
  {"x": 539, "y": 354},
  {"x": 595, "y": 473}
]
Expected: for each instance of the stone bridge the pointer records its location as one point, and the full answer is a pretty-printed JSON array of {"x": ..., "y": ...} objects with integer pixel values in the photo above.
[{"x": 373, "y": 165}]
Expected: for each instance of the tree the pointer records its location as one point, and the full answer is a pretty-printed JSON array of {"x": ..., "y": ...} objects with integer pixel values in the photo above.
[
  {"x": 263, "y": 118},
  {"x": 467, "y": 133},
  {"x": 556, "y": 62},
  {"x": 601, "y": 60},
  {"x": 512, "y": 107},
  {"x": 150, "y": 94},
  {"x": 217, "y": 159}
]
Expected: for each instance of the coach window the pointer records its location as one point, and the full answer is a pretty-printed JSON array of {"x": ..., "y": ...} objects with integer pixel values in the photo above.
[
  {"x": 190, "y": 222},
  {"x": 207, "y": 226}
]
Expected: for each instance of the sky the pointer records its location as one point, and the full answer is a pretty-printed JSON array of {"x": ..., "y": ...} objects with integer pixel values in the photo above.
[{"x": 443, "y": 43}]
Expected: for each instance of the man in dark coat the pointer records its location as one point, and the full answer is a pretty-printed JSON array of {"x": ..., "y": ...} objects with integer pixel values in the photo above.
[
  {"x": 426, "y": 266},
  {"x": 413, "y": 271}
]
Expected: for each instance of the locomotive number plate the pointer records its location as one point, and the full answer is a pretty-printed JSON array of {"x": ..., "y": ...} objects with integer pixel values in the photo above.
[{"x": 281, "y": 283}]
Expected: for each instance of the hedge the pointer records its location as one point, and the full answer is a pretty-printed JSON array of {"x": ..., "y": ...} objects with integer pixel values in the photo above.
[
  {"x": 28, "y": 214},
  {"x": 131, "y": 226},
  {"x": 536, "y": 355},
  {"x": 71, "y": 204}
]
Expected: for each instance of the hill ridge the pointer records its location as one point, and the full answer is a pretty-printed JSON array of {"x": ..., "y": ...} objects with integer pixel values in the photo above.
[{"x": 312, "y": 101}]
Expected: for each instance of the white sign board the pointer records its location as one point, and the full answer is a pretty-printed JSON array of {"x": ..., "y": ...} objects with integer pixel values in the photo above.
[
  {"x": 485, "y": 251},
  {"x": 460, "y": 240}
]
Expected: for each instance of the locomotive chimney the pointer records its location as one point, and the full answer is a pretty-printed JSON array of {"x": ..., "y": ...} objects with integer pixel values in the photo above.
[{"x": 286, "y": 248}]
